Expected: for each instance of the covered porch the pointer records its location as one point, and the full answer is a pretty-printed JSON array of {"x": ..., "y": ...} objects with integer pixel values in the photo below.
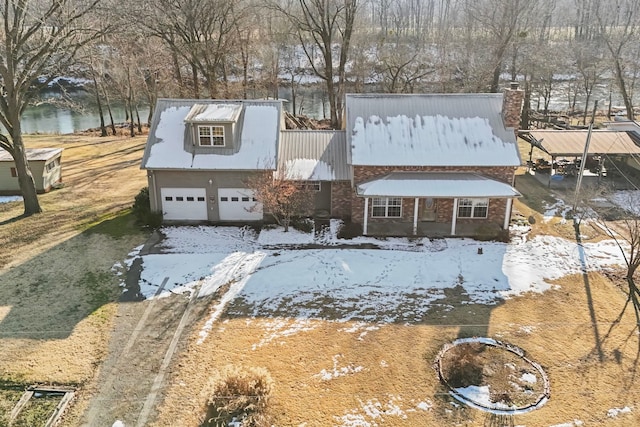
[{"x": 435, "y": 204}]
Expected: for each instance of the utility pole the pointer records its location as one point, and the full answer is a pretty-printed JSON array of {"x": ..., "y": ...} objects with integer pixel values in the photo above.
[{"x": 583, "y": 162}]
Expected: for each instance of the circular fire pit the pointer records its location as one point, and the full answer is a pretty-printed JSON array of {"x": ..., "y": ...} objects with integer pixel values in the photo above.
[{"x": 492, "y": 376}]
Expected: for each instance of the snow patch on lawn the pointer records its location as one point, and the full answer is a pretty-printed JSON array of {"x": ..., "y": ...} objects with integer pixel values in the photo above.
[
  {"x": 336, "y": 371},
  {"x": 373, "y": 411},
  {"x": 283, "y": 327},
  {"x": 574, "y": 423},
  {"x": 614, "y": 412},
  {"x": 559, "y": 208},
  {"x": 361, "y": 327},
  {"x": 277, "y": 236}
]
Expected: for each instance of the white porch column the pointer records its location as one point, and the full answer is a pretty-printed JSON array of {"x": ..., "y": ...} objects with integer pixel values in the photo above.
[
  {"x": 366, "y": 216},
  {"x": 454, "y": 216},
  {"x": 415, "y": 216},
  {"x": 507, "y": 214}
]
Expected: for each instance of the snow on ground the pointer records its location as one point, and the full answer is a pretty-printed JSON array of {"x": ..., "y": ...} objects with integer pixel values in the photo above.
[
  {"x": 210, "y": 257},
  {"x": 574, "y": 423},
  {"x": 373, "y": 411},
  {"x": 338, "y": 371},
  {"x": 614, "y": 412},
  {"x": 559, "y": 208},
  {"x": 9, "y": 199},
  {"x": 628, "y": 200}
]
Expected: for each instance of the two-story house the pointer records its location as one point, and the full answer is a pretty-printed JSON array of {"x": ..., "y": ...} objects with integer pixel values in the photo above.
[{"x": 404, "y": 165}]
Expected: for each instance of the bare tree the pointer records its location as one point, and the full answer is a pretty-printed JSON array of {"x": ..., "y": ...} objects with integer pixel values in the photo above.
[
  {"x": 619, "y": 26},
  {"x": 282, "y": 197},
  {"x": 625, "y": 231},
  {"x": 498, "y": 27},
  {"x": 328, "y": 26},
  {"x": 39, "y": 40}
]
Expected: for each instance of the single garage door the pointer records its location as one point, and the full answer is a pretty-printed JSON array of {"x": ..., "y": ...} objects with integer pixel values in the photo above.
[
  {"x": 238, "y": 204},
  {"x": 184, "y": 204}
]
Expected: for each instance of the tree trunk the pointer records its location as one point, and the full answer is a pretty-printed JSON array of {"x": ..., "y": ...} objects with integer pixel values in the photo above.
[
  {"x": 628, "y": 104},
  {"x": 177, "y": 72},
  {"x": 138, "y": 119},
  {"x": 25, "y": 177},
  {"x": 103, "y": 129},
  {"x": 196, "y": 86}
]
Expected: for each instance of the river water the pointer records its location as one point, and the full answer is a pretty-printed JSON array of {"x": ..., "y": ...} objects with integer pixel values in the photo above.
[{"x": 60, "y": 119}]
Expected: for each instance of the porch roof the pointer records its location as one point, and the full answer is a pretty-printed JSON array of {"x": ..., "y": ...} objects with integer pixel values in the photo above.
[{"x": 436, "y": 185}]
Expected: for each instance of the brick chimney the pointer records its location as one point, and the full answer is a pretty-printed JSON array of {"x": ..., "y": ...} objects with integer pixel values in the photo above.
[{"x": 512, "y": 106}]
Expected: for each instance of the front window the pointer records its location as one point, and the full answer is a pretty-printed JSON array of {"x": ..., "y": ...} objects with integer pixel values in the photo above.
[
  {"x": 386, "y": 207},
  {"x": 473, "y": 208},
  {"x": 310, "y": 185},
  {"x": 211, "y": 135}
]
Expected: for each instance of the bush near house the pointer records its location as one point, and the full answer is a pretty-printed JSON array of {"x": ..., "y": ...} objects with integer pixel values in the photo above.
[{"x": 142, "y": 210}]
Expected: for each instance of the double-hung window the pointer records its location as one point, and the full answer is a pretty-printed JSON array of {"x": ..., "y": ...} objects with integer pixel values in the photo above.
[
  {"x": 473, "y": 208},
  {"x": 211, "y": 136},
  {"x": 386, "y": 207}
]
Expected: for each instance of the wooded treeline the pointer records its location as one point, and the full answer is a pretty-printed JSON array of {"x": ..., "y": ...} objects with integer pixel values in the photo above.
[
  {"x": 249, "y": 48},
  {"x": 136, "y": 51}
]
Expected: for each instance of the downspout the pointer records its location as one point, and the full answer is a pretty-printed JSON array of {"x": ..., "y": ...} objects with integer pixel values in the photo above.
[
  {"x": 415, "y": 216},
  {"x": 155, "y": 207},
  {"x": 454, "y": 216},
  {"x": 366, "y": 217},
  {"x": 507, "y": 213}
]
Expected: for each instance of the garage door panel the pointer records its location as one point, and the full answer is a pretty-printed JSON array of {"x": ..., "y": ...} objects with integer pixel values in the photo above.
[
  {"x": 238, "y": 204},
  {"x": 184, "y": 204}
]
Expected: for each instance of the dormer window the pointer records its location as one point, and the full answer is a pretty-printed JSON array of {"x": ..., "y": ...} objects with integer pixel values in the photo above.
[{"x": 211, "y": 136}]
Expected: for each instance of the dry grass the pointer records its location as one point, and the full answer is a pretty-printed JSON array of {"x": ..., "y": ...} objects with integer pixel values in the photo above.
[
  {"x": 396, "y": 363},
  {"x": 56, "y": 285}
]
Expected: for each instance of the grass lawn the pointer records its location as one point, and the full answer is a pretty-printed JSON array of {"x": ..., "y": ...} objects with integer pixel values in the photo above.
[{"x": 57, "y": 290}]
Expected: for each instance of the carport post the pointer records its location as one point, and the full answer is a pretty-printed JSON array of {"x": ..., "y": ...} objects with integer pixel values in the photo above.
[
  {"x": 415, "y": 216},
  {"x": 366, "y": 218},
  {"x": 454, "y": 217}
]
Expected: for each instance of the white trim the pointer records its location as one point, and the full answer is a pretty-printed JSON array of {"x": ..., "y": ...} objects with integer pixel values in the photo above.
[
  {"x": 507, "y": 214},
  {"x": 454, "y": 217},
  {"x": 212, "y": 135},
  {"x": 476, "y": 202},
  {"x": 386, "y": 207},
  {"x": 366, "y": 215},
  {"x": 415, "y": 215}
]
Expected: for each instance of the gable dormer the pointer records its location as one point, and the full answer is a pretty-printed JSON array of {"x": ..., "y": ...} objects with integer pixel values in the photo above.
[{"x": 213, "y": 125}]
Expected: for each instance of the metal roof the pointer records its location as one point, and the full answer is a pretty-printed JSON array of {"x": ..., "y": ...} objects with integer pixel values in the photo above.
[
  {"x": 572, "y": 142},
  {"x": 255, "y": 139},
  {"x": 436, "y": 185},
  {"x": 451, "y": 106},
  {"x": 316, "y": 148},
  {"x": 218, "y": 112},
  {"x": 33, "y": 154}
]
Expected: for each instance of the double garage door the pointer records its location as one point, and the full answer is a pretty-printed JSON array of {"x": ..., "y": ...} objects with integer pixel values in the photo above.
[{"x": 190, "y": 204}]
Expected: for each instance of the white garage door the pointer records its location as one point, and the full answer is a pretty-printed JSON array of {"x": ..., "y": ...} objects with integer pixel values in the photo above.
[
  {"x": 238, "y": 204},
  {"x": 184, "y": 204}
]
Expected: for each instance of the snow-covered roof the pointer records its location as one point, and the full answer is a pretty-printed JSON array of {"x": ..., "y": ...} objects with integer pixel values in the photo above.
[
  {"x": 33, "y": 154},
  {"x": 318, "y": 155},
  {"x": 436, "y": 184},
  {"x": 429, "y": 130},
  {"x": 255, "y": 145},
  {"x": 227, "y": 112}
]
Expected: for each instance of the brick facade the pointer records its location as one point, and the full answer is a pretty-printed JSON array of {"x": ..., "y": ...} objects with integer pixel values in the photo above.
[
  {"x": 341, "y": 199},
  {"x": 444, "y": 209},
  {"x": 512, "y": 106}
]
